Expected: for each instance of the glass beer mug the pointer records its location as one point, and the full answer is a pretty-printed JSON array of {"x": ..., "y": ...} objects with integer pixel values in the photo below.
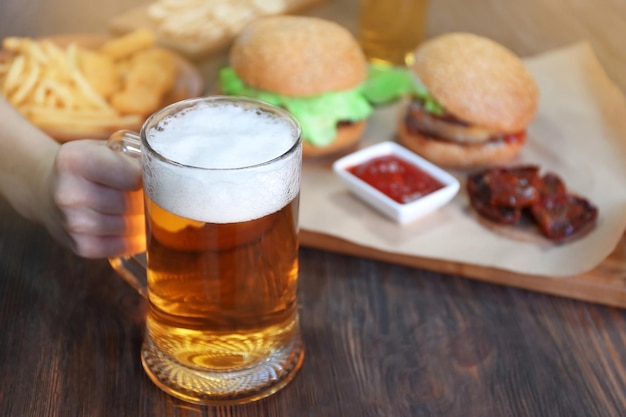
[{"x": 221, "y": 179}]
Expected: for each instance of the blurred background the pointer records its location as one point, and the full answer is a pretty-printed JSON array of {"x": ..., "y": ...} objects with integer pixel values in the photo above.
[{"x": 531, "y": 31}]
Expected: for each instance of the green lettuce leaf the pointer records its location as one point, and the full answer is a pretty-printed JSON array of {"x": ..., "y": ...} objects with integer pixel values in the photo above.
[
  {"x": 318, "y": 115},
  {"x": 386, "y": 83}
]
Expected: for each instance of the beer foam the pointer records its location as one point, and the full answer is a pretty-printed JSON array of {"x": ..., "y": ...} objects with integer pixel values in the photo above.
[
  {"x": 224, "y": 136},
  {"x": 220, "y": 175}
]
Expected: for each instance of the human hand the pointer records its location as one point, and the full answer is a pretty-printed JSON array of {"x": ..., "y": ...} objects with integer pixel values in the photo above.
[{"x": 96, "y": 202}]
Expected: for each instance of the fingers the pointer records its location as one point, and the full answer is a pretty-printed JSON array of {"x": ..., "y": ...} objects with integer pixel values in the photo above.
[
  {"x": 113, "y": 230},
  {"x": 87, "y": 237},
  {"x": 80, "y": 221},
  {"x": 97, "y": 194},
  {"x": 73, "y": 191},
  {"x": 97, "y": 235},
  {"x": 95, "y": 162},
  {"x": 92, "y": 234},
  {"x": 98, "y": 247}
]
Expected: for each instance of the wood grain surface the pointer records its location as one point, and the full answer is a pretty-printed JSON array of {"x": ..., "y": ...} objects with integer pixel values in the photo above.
[
  {"x": 604, "y": 284},
  {"x": 382, "y": 339}
]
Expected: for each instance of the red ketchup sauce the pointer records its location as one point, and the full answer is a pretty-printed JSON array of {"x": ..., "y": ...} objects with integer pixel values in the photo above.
[{"x": 396, "y": 178}]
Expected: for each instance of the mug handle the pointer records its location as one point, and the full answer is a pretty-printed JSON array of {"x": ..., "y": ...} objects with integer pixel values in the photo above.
[{"x": 132, "y": 268}]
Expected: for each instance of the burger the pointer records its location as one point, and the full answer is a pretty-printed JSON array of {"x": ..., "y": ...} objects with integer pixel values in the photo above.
[
  {"x": 472, "y": 102},
  {"x": 312, "y": 67}
]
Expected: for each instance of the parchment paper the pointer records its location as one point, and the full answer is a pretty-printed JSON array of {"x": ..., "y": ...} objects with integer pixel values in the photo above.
[{"x": 579, "y": 133}]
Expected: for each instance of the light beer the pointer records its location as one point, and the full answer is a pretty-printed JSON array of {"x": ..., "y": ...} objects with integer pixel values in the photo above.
[
  {"x": 222, "y": 189},
  {"x": 390, "y": 30},
  {"x": 230, "y": 288}
]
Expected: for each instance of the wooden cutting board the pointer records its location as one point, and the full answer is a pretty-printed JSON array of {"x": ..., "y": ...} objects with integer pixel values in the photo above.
[
  {"x": 196, "y": 49},
  {"x": 605, "y": 284}
]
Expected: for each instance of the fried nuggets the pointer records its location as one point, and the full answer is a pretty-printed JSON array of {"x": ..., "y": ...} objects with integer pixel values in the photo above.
[{"x": 150, "y": 75}]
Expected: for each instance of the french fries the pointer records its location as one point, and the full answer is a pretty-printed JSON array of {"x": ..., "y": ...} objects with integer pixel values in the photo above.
[
  {"x": 72, "y": 88},
  {"x": 128, "y": 45}
]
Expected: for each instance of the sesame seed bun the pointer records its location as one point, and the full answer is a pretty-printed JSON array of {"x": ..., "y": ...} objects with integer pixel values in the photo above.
[
  {"x": 478, "y": 80},
  {"x": 483, "y": 86},
  {"x": 298, "y": 56}
]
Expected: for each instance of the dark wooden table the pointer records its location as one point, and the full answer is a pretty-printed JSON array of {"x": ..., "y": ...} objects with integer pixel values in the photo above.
[{"x": 382, "y": 339}]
